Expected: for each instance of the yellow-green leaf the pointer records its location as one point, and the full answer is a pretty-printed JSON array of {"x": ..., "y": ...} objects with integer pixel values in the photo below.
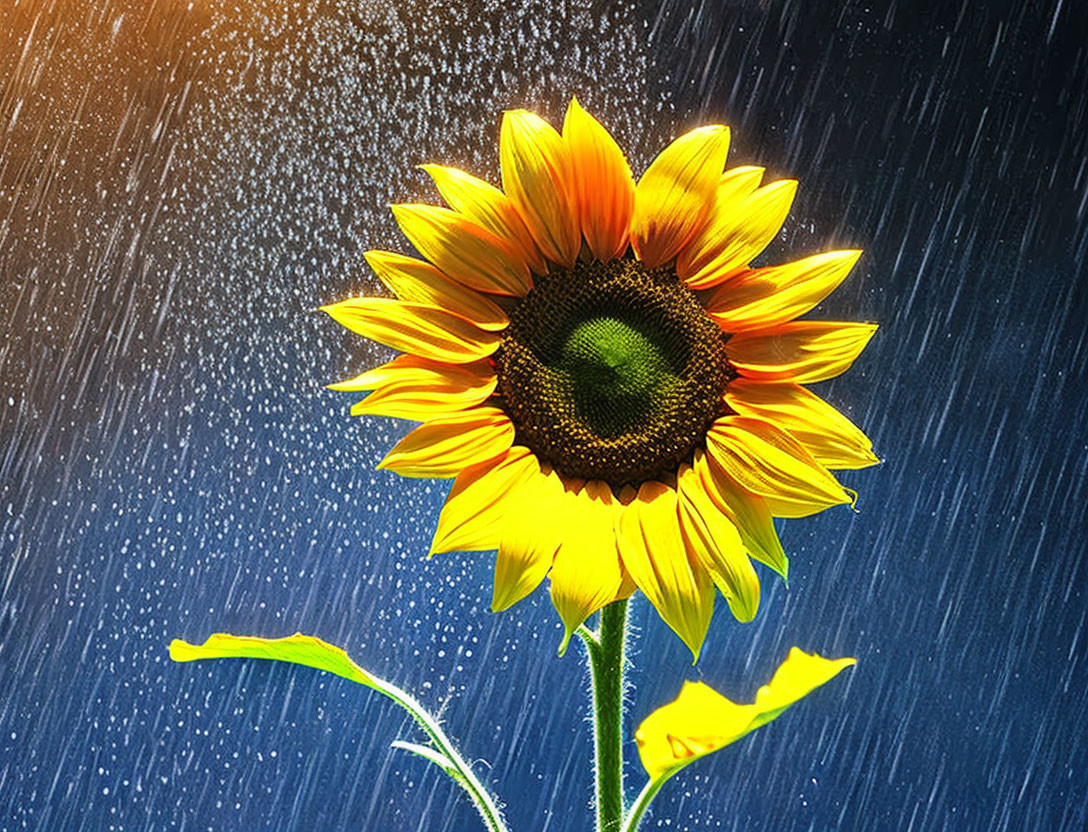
[
  {"x": 296, "y": 649},
  {"x": 701, "y": 720},
  {"x": 313, "y": 652}
]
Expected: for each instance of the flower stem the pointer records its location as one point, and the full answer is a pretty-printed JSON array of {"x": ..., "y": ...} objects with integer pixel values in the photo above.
[
  {"x": 447, "y": 756},
  {"x": 606, "y": 665}
]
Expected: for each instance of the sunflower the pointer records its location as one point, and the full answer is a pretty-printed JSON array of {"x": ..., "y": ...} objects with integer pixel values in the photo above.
[{"x": 617, "y": 391}]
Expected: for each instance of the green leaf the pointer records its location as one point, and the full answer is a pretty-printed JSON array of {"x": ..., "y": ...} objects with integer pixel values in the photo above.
[
  {"x": 313, "y": 652},
  {"x": 296, "y": 649}
]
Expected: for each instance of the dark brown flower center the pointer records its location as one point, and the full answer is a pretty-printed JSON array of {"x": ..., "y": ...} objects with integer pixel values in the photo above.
[{"x": 612, "y": 371}]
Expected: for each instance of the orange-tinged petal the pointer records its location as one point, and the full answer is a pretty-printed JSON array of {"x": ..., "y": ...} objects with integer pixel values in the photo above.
[
  {"x": 490, "y": 208},
  {"x": 832, "y": 439},
  {"x": 749, "y": 513},
  {"x": 465, "y": 251},
  {"x": 412, "y": 327},
  {"x": 674, "y": 196},
  {"x": 471, "y": 519},
  {"x": 734, "y": 188},
  {"x": 529, "y": 535},
  {"x": 446, "y": 445},
  {"x": 700, "y": 720},
  {"x": 536, "y": 176},
  {"x": 654, "y": 554},
  {"x": 716, "y": 542},
  {"x": 602, "y": 183},
  {"x": 416, "y": 281},
  {"x": 772, "y": 464},
  {"x": 587, "y": 573},
  {"x": 774, "y": 295},
  {"x": 429, "y": 389},
  {"x": 738, "y": 236},
  {"x": 800, "y": 351}
]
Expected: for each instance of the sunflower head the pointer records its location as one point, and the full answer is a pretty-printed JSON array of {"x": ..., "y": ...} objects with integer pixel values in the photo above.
[{"x": 617, "y": 392}]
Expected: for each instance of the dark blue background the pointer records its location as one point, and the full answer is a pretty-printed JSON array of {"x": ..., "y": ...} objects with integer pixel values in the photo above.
[{"x": 182, "y": 184}]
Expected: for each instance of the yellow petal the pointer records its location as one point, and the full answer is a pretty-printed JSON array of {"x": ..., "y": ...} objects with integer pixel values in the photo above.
[
  {"x": 602, "y": 183},
  {"x": 701, "y": 720},
  {"x": 716, "y": 542},
  {"x": 399, "y": 367},
  {"x": 749, "y": 513},
  {"x": 738, "y": 236},
  {"x": 777, "y": 294},
  {"x": 536, "y": 176},
  {"x": 411, "y": 327},
  {"x": 446, "y": 445},
  {"x": 734, "y": 187},
  {"x": 676, "y": 193},
  {"x": 471, "y": 519},
  {"x": 770, "y": 463},
  {"x": 419, "y": 282},
  {"x": 471, "y": 255},
  {"x": 654, "y": 554},
  {"x": 405, "y": 367},
  {"x": 529, "y": 536},
  {"x": 801, "y": 351},
  {"x": 587, "y": 573},
  {"x": 488, "y": 207},
  {"x": 422, "y": 390},
  {"x": 832, "y": 439}
]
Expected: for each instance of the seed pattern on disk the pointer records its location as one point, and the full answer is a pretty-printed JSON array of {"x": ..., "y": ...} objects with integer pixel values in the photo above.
[{"x": 612, "y": 371}]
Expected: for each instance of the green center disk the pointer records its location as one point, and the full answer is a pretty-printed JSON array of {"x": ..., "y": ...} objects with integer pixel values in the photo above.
[{"x": 618, "y": 372}]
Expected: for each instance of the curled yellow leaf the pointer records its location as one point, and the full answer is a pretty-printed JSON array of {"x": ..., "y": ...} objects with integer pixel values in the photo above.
[{"x": 700, "y": 720}]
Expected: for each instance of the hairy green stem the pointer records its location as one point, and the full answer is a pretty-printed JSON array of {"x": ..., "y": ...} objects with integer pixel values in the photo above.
[
  {"x": 481, "y": 797},
  {"x": 606, "y": 665}
]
